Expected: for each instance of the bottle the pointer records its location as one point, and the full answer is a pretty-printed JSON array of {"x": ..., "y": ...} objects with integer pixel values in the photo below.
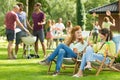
[{"x": 107, "y": 48}]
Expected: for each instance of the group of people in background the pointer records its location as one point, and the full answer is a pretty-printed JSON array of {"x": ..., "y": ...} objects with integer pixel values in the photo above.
[
  {"x": 54, "y": 30},
  {"x": 17, "y": 26},
  {"x": 11, "y": 20},
  {"x": 105, "y": 24}
]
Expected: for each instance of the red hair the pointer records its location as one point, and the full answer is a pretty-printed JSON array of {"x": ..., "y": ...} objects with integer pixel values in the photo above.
[{"x": 72, "y": 38}]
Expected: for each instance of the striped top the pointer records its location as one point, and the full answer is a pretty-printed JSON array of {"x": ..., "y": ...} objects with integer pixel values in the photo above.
[
  {"x": 111, "y": 48},
  {"x": 80, "y": 47}
]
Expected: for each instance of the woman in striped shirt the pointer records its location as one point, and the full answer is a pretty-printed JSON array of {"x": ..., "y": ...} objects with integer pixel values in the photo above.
[{"x": 98, "y": 51}]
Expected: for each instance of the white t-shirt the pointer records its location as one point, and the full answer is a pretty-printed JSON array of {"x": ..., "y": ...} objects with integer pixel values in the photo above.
[
  {"x": 80, "y": 47},
  {"x": 60, "y": 26}
]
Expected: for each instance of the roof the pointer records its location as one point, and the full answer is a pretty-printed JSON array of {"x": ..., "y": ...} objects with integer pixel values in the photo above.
[{"x": 113, "y": 7}]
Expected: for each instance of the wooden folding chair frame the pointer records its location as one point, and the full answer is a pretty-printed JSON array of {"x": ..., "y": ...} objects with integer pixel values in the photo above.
[
  {"x": 110, "y": 65},
  {"x": 102, "y": 65},
  {"x": 64, "y": 66}
]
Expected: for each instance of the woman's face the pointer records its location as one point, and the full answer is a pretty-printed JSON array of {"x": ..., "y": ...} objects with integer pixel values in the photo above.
[
  {"x": 103, "y": 37},
  {"x": 78, "y": 34}
]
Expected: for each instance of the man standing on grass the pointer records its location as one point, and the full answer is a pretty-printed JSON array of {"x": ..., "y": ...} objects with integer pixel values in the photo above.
[
  {"x": 23, "y": 19},
  {"x": 10, "y": 21},
  {"x": 38, "y": 20}
]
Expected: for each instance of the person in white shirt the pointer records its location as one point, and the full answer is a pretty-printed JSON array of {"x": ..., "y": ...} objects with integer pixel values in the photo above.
[
  {"x": 59, "y": 27},
  {"x": 95, "y": 31},
  {"x": 73, "y": 47}
]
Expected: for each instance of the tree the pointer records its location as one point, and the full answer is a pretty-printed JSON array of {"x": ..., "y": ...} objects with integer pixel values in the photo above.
[
  {"x": 79, "y": 7},
  {"x": 5, "y": 6},
  {"x": 61, "y": 8}
]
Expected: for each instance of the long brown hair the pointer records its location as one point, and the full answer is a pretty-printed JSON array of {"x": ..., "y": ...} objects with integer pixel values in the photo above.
[
  {"x": 72, "y": 38},
  {"x": 69, "y": 23},
  {"x": 107, "y": 32},
  {"x": 106, "y": 19}
]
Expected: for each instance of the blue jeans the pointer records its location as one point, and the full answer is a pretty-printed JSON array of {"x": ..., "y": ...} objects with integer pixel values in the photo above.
[
  {"x": 91, "y": 56},
  {"x": 116, "y": 39},
  {"x": 61, "y": 51}
]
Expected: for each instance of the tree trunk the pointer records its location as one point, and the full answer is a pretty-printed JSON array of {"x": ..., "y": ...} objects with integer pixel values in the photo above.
[
  {"x": 27, "y": 7},
  {"x": 30, "y": 8}
]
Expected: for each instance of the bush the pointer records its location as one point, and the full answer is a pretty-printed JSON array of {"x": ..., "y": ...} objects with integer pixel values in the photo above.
[
  {"x": 2, "y": 30},
  {"x": 117, "y": 60}
]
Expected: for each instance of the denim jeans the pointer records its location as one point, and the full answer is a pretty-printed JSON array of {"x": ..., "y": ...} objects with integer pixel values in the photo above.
[
  {"x": 91, "y": 56},
  {"x": 61, "y": 51},
  {"x": 116, "y": 39}
]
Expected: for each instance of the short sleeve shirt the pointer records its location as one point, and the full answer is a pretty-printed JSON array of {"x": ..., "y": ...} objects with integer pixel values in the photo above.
[
  {"x": 38, "y": 18},
  {"x": 80, "y": 47},
  {"x": 10, "y": 20},
  {"x": 60, "y": 26},
  {"x": 106, "y": 25},
  {"x": 22, "y": 17},
  {"x": 111, "y": 48}
]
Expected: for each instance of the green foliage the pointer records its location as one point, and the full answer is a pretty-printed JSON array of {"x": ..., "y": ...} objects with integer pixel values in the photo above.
[
  {"x": 2, "y": 30},
  {"x": 55, "y": 9},
  {"x": 5, "y": 6},
  {"x": 89, "y": 4},
  {"x": 79, "y": 13},
  {"x": 117, "y": 60},
  {"x": 113, "y": 0},
  {"x": 61, "y": 8}
]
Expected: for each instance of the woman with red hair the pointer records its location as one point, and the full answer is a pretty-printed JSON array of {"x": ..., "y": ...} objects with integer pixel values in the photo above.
[{"x": 73, "y": 46}]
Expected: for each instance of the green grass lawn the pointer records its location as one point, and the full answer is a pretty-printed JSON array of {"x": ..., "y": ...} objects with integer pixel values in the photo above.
[{"x": 29, "y": 69}]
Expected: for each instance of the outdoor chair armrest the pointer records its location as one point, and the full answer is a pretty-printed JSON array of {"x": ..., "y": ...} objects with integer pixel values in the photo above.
[{"x": 111, "y": 56}]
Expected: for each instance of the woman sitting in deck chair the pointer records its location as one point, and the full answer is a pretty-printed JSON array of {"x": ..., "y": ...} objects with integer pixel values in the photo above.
[
  {"x": 75, "y": 45},
  {"x": 105, "y": 46}
]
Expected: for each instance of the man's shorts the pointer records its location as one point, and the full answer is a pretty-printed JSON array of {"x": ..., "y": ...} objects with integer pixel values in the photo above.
[
  {"x": 10, "y": 34},
  {"x": 39, "y": 34},
  {"x": 19, "y": 35}
]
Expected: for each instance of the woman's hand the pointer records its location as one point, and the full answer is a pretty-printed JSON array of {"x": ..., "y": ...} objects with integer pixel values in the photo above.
[
  {"x": 75, "y": 50},
  {"x": 108, "y": 13}
]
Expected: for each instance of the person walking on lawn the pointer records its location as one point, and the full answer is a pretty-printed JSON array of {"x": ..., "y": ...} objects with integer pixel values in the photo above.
[{"x": 23, "y": 19}]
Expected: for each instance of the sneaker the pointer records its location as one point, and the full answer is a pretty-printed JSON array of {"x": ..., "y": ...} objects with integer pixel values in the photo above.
[
  {"x": 37, "y": 56},
  {"x": 45, "y": 56},
  {"x": 56, "y": 73},
  {"x": 24, "y": 56},
  {"x": 44, "y": 62},
  {"x": 88, "y": 68},
  {"x": 76, "y": 75},
  {"x": 15, "y": 56}
]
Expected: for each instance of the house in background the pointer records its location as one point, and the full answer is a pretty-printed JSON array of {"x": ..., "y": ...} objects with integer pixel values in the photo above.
[{"x": 115, "y": 12}]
